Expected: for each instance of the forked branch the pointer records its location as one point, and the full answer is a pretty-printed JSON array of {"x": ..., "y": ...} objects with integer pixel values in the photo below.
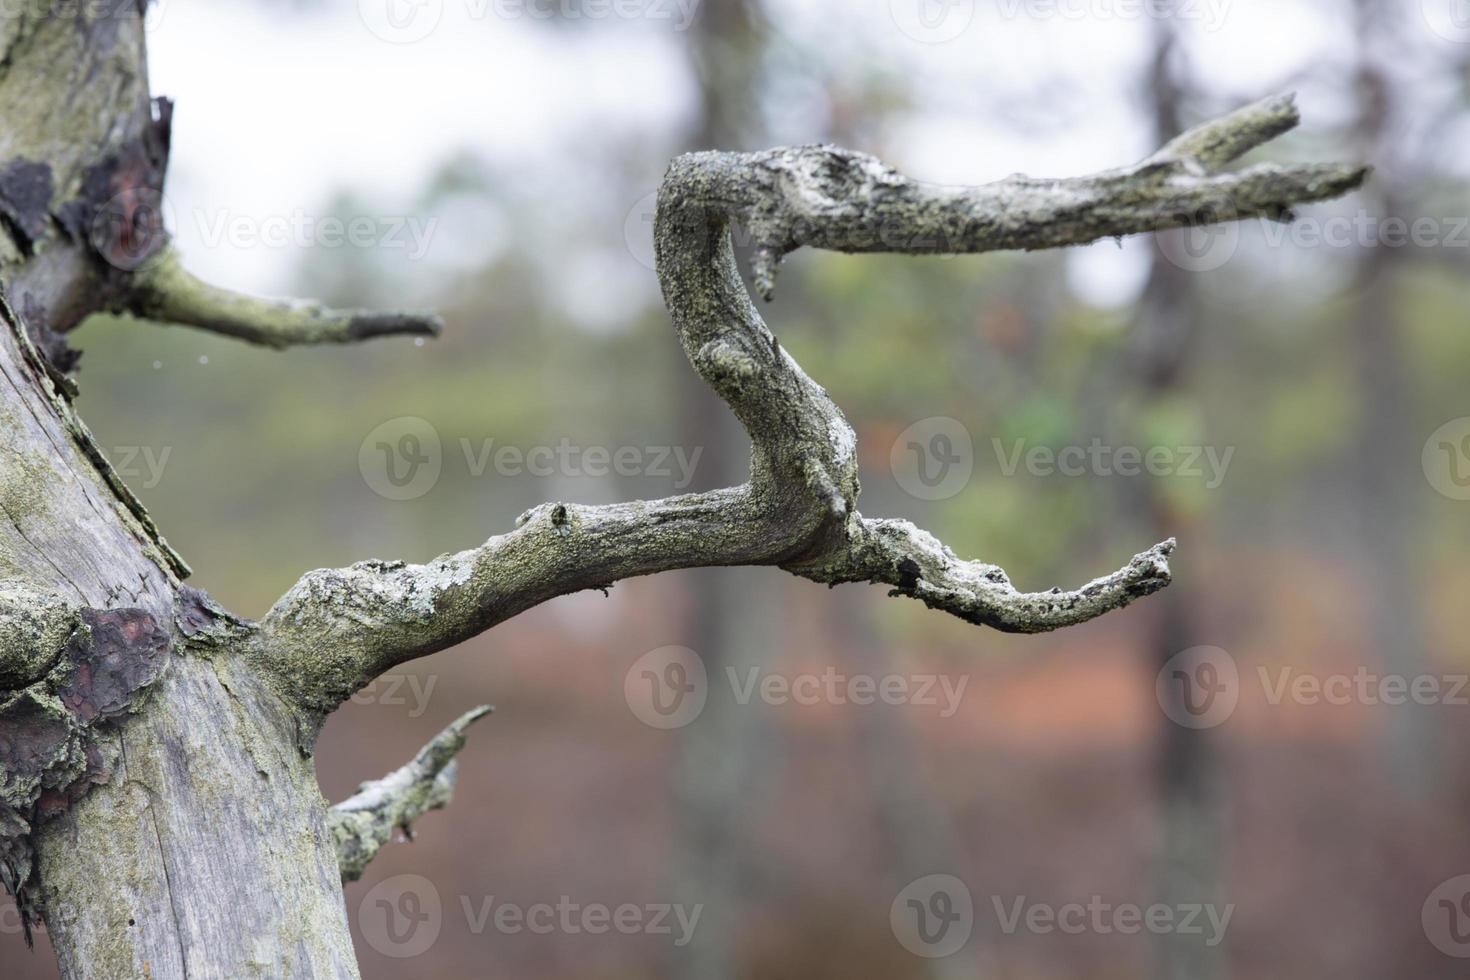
[{"x": 338, "y": 629}]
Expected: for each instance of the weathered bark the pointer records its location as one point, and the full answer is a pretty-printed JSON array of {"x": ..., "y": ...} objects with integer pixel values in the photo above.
[
  {"x": 158, "y": 805},
  {"x": 158, "y": 802}
]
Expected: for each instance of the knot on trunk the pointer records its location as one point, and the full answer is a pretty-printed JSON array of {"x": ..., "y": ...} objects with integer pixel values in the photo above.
[{"x": 51, "y": 749}]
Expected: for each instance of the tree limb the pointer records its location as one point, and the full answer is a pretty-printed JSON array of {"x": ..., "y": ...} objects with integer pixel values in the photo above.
[
  {"x": 1210, "y": 146},
  {"x": 830, "y": 198},
  {"x": 161, "y": 289},
  {"x": 338, "y": 629},
  {"x": 367, "y": 820},
  {"x": 919, "y": 566}
]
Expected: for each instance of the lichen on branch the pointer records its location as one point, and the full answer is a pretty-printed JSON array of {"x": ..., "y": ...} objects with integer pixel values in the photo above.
[
  {"x": 162, "y": 289},
  {"x": 367, "y": 820},
  {"x": 338, "y": 629}
]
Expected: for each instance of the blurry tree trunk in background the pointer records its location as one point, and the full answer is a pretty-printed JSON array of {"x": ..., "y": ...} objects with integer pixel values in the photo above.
[
  {"x": 915, "y": 830},
  {"x": 1383, "y": 468},
  {"x": 1191, "y": 804},
  {"x": 726, "y": 756}
]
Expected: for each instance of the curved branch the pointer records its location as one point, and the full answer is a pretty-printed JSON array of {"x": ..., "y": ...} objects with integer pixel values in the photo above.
[
  {"x": 338, "y": 629},
  {"x": 835, "y": 199},
  {"x": 918, "y": 565},
  {"x": 366, "y": 821},
  {"x": 162, "y": 289}
]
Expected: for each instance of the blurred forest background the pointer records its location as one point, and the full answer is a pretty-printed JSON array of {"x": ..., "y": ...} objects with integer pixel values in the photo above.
[{"x": 523, "y": 141}]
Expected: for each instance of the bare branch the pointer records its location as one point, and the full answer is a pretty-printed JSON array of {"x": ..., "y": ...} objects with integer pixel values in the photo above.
[
  {"x": 161, "y": 289},
  {"x": 367, "y": 821},
  {"x": 337, "y": 629},
  {"x": 918, "y": 565},
  {"x": 1215, "y": 143},
  {"x": 835, "y": 199}
]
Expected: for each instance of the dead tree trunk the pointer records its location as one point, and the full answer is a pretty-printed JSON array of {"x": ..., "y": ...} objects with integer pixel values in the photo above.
[{"x": 158, "y": 805}]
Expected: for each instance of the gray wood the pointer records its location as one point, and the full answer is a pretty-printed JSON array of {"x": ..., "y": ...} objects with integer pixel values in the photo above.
[{"x": 159, "y": 806}]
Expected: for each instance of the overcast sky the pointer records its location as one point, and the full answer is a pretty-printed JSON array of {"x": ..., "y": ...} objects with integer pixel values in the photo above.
[{"x": 278, "y": 107}]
